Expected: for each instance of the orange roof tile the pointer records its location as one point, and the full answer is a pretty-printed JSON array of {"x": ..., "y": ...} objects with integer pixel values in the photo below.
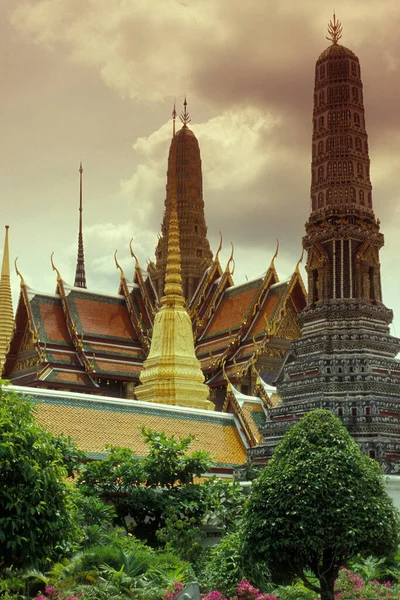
[
  {"x": 103, "y": 317},
  {"x": 230, "y": 311},
  {"x": 52, "y": 322}
]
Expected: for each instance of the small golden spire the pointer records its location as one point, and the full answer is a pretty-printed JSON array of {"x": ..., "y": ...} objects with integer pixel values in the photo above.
[
  {"x": 173, "y": 278},
  {"x": 54, "y": 267},
  {"x": 334, "y": 30},
  {"x": 118, "y": 265},
  {"x": 6, "y": 307},
  {"x": 299, "y": 261},
  {"x": 185, "y": 116},
  {"x": 133, "y": 255},
  {"x": 173, "y": 121},
  {"x": 275, "y": 255},
  {"x": 22, "y": 281},
  {"x": 231, "y": 260},
  {"x": 219, "y": 247}
]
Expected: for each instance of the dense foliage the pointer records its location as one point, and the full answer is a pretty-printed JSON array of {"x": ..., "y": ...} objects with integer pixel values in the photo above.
[
  {"x": 38, "y": 516},
  {"x": 317, "y": 503},
  {"x": 157, "y": 499}
]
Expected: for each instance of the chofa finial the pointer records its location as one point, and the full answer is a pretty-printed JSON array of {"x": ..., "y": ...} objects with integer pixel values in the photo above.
[{"x": 334, "y": 30}]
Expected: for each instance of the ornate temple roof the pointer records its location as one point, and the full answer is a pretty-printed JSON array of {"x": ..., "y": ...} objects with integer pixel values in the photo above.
[{"x": 95, "y": 422}]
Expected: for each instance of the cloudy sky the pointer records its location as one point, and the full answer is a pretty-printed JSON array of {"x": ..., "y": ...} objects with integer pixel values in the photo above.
[{"x": 96, "y": 80}]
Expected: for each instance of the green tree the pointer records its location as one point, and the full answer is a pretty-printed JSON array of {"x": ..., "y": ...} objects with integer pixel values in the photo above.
[
  {"x": 37, "y": 512},
  {"x": 316, "y": 504},
  {"x": 146, "y": 491}
]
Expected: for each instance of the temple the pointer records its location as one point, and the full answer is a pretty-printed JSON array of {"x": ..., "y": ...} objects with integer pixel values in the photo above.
[
  {"x": 83, "y": 341},
  {"x": 344, "y": 359},
  {"x": 185, "y": 176}
]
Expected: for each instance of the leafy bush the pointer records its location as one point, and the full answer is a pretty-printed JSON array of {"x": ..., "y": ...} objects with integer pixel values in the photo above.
[
  {"x": 317, "y": 503},
  {"x": 38, "y": 516}
]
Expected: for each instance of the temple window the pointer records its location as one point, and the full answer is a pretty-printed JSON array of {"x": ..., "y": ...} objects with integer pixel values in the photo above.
[
  {"x": 334, "y": 168},
  {"x": 320, "y": 147},
  {"x": 339, "y": 167},
  {"x": 340, "y": 412},
  {"x": 335, "y": 195},
  {"x": 350, "y": 167},
  {"x": 340, "y": 195},
  {"x": 361, "y": 195},
  {"x": 320, "y": 173},
  {"x": 356, "y": 119},
  {"x": 329, "y": 196},
  {"x": 355, "y": 94},
  {"x": 354, "y": 411},
  {"x": 367, "y": 411},
  {"x": 360, "y": 171},
  {"x": 346, "y": 195},
  {"x": 349, "y": 141},
  {"x": 345, "y": 167},
  {"x": 329, "y": 168},
  {"x": 358, "y": 144},
  {"x": 329, "y": 144},
  {"x": 352, "y": 194},
  {"x": 371, "y": 453},
  {"x": 320, "y": 200},
  {"x": 321, "y": 122}
]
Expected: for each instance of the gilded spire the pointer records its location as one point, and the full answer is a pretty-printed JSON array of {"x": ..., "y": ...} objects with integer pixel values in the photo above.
[
  {"x": 173, "y": 278},
  {"x": 80, "y": 277},
  {"x": 334, "y": 30},
  {"x": 171, "y": 373},
  {"x": 6, "y": 308}
]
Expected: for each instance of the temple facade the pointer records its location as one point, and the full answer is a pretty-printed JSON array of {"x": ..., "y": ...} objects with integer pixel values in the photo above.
[{"x": 344, "y": 359}]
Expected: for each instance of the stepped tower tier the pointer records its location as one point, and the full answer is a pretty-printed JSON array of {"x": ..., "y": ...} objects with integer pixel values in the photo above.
[
  {"x": 345, "y": 357},
  {"x": 184, "y": 167}
]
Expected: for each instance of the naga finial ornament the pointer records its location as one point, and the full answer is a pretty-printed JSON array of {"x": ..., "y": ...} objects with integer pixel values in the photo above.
[
  {"x": 334, "y": 30},
  {"x": 185, "y": 116}
]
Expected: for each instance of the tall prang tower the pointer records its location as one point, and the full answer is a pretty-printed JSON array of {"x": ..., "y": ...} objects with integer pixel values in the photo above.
[
  {"x": 345, "y": 358},
  {"x": 184, "y": 168}
]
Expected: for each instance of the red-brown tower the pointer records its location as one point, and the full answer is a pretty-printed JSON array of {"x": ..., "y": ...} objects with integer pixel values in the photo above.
[{"x": 184, "y": 171}]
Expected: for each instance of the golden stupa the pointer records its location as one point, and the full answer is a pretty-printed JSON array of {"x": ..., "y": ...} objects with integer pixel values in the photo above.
[
  {"x": 171, "y": 373},
  {"x": 6, "y": 309}
]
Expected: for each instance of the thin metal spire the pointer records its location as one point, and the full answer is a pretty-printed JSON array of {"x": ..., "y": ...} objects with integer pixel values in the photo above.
[
  {"x": 80, "y": 277},
  {"x": 173, "y": 121}
]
